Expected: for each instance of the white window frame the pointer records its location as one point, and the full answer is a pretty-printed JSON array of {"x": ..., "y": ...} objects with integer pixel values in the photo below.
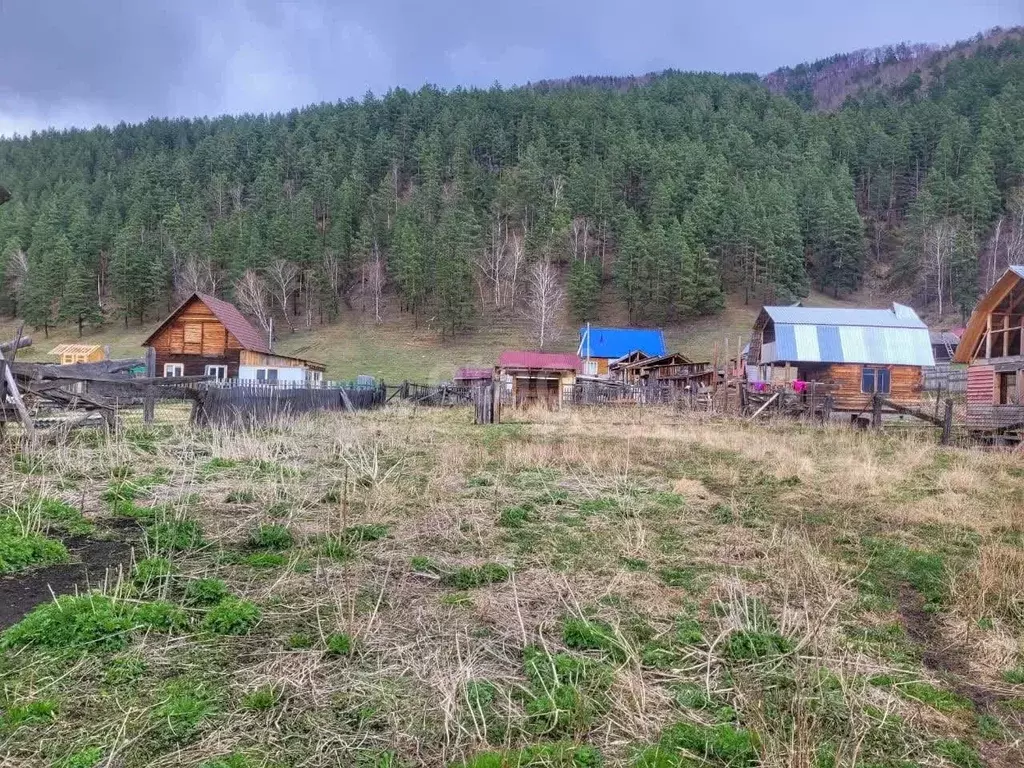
[
  {"x": 216, "y": 371},
  {"x": 266, "y": 375},
  {"x": 590, "y": 367},
  {"x": 174, "y": 370}
]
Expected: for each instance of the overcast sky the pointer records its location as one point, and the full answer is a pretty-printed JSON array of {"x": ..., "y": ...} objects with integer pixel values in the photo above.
[{"x": 82, "y": 62}]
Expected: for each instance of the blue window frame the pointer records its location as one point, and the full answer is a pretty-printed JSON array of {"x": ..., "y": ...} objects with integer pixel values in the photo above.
[{"x": 874, "y": 380}]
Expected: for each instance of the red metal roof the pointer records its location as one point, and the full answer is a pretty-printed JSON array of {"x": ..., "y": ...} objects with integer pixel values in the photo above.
[{"x": 548, "y": 361}]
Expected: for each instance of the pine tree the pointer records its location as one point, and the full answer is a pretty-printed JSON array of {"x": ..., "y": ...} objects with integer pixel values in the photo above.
[
  {"x": 584, "y": 288},
  {"x": 80, "y": 305}
]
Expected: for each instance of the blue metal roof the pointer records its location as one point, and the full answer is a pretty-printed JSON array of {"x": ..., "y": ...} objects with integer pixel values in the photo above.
[
  {"x": 897, "y": 317},
  {"x": 613, "y": 343}
]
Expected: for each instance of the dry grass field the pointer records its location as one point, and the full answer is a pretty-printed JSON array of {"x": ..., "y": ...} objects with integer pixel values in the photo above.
[{"x": 585, "y": 588}]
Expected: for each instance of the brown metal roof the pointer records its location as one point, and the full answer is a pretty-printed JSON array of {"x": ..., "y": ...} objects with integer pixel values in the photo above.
[{"x": 227, "y": 313}]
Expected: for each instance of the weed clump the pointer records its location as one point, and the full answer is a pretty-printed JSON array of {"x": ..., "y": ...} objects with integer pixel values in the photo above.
[
  {"x": 263, "y": 698},
  {"x": 264, "y": 560},
  {"x": 152, "y": 573},
  {"x": 232, "y": 616},
  {"x": 175, "y": 536},
  {"x": 725, "y": 744},
  {"x": 752, "y": 645},
  {"x": 369, "y": 532},
  {"x": 556, "y": 755},
  {"x": 273, "y": 537},
  {"x": 593, "y": 635},
  {"x": 206, "y": 592},
  {"x": 567, "y": 692},
  {"x": 83, "y": 758},
  {"x": 469, "y": 577},
  {"x": 516, "y": 517},
  {"x": 63, "y": 515},
  {"x": 183, "y": 705},
  {"x": 32, "y": 713},
  {"x": 340, "y": 644}
]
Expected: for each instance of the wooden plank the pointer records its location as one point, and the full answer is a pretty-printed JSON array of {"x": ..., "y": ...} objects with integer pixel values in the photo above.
[{"x": 15, "y": 396}]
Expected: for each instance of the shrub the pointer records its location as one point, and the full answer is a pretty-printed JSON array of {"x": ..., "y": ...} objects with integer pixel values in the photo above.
[
  {"x": 206, "y": 592},
  {"x": 339, "y": 644},
  {"x": 20, "y": 548},
  {"x": 93, "y": 622},
  {"x": 232, "y": 616},
  {"x": 175, "y": 535},
  {"x": 477, "y": 576},
  {"x": 263, "y": 698},
  {"x": 276, "y": 537}
]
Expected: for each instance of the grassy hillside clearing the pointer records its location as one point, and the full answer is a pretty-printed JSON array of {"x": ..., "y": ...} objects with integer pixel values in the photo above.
[
  {"x": 398, "y": 350},
  {"x": 614, "y": 588}
]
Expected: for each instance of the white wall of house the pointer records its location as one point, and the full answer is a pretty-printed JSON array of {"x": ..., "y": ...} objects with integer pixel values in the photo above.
[{"x": 290, "y": 375}]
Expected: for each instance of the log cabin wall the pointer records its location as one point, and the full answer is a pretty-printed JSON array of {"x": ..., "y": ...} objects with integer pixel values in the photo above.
[
  {"x": 905, "y": 383},
  {"x": 196, "y": 339}
]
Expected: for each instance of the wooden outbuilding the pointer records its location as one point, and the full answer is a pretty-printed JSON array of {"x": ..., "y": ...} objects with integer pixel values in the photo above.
[
  {"x": 675, "y": 371},
  {"x": 992, "y": 345},
  {"x": 858, "y": 352},
  {"x": 532, "y": 378},
  {"x": 473, "y": 377},
  {"x": 70, "y": 354},
  {"x": 207, "y": 336}
]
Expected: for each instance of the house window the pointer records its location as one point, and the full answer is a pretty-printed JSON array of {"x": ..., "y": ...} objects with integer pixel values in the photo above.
[
  {"x": 174, "y": 370},
  {"x": 874, "y": 381},
  {"x": 590, "y": 367},
  {"x": 1008, "y": 394},
  {"x": 219, "y": 372},
  {"x": 267, "y": 375}
]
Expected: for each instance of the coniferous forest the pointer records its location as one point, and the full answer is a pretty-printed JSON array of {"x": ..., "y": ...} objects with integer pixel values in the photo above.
[{"x": 671, "y": 191}]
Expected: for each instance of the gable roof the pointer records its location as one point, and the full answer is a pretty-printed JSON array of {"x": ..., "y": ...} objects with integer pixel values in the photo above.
[
  {"x": 613, "y": 343},
  {"x": 229, "y": 316},
  {"x": 547, "y": 361},
  {"x": 674, "y": 358},
  {"x": 894, "y": 336},
  {"x": 74, "y": 349},
  {"x": 899, "y": 316},
  {"x": 975, "y": 330}
]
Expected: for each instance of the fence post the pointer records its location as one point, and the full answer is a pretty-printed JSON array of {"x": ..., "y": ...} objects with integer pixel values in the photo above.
[
  {"x": 876, "y": 411},
  {"x": 947, "y": 422},
  {"x": 148, "y": 406}
]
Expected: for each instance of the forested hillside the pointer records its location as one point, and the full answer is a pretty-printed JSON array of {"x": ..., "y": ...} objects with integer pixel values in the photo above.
[{"x": 669, "y": 192}]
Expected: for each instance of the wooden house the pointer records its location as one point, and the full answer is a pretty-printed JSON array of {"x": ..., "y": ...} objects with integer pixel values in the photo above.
[
  {"x": 537, "y": 377},
  {"x": 858, "y": 352},
  {"x": 675, "y": 371},
  {"x": 70, "y": 354},
  {"x": 600, "y": 347},
  {"x": 207, "y": 336},
  {"x": 992, "y": 345},
  {"x": 473, "y": 377}
]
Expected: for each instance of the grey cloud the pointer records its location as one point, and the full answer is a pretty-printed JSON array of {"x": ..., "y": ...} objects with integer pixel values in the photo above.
[{"x": 77, "y": 62}]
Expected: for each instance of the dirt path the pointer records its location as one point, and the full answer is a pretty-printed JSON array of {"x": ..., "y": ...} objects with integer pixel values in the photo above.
[{"x": 93, "y": 558}]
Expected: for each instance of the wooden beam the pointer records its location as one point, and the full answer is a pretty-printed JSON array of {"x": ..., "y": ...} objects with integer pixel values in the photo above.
[
  {"x": 19, "y": 343},
  {"x": 15, "y": 395},
  {"x": 1006, "y": 335},
  {"x": 988, "y": 337}
]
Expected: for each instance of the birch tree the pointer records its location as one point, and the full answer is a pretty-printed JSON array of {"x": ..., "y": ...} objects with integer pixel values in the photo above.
[
  {"x": 253, "y": 297},
  {"x": 283, "y": 276},
  {"x": 546, "y": 302}
]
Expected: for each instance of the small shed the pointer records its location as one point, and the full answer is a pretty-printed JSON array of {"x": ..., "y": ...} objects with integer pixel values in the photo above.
[
  {"x": 944, "y": 344},
  {"x": 79, "y": 353},
  {"x": 537, "y": 377},
  {"x": 599, "y": 347},
  {"x": 676, "y": 371},
  {"x": 859, "y": 352},
  {"x": 207, "y": 336},
  {"x": 992, "y": 345}
]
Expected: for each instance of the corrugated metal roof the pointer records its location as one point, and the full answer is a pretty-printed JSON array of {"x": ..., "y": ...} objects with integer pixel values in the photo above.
[
  {"x": 613, "y": 343},
  {"x": 1018, "y": 269},
  {"x": 548, "y": 361},
  {"x": 897, "y": 317},
  {"x": 850, "y": 344}
]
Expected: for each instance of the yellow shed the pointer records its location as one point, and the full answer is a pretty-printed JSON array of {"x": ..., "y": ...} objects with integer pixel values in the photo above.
[{"x": 79, "y": 353}]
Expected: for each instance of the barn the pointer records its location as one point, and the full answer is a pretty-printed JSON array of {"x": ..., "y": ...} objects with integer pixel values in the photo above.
[
  {"x": 207, "y": 336},
  {"x": 537, "y": 378},
  {"x": 858, "y": 352},
  {"x": 992, "y": 345}
]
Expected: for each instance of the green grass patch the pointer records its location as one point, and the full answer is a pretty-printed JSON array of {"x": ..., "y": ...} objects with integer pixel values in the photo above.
[
  {"x": 892, "y": 564},
  {"x": 262, "y": 699},
  {"x": 152, "y": 574},
  {"x": 31, "y": 713},
  {"x": 273, "y": 537},
  {"x": 204, "y": 592},
  {"x": 556, "y": 755},
  {"x": 83, "y": 623},
  {"x": 723, "y": 744},
  {"x": 175, "y": 536},
  {"x": 232, "y": 616},
  {"x": 1014, "y": 676},
  {"x": 469, "y": 577},
  {"x": 369, "y": 532},
  {"x": 264, "y": 560},
  {"x": 926, "y": 693},
  {"x": 517, "y": 516},
  {"x": 888, "y": 641},
  {"x": 240, "y": 497},
  {"x": 183, "y": 705},
  {"x": 89, "y": 757},
  {"x": 567, "y": 692},
  {"x": 689, "y": 578},
  {"x": 63, "y": 515},
  {"x": 21, "y": 548},
  {"x": 753, "y": 645},
  {"x": 593, "y": 635},
  {"x": 957, "y": 752},
  {"x": 340, "y": 644}
]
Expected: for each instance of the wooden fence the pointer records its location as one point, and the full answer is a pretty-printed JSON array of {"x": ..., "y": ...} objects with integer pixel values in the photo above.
[{"x": 243, "y": 404}]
